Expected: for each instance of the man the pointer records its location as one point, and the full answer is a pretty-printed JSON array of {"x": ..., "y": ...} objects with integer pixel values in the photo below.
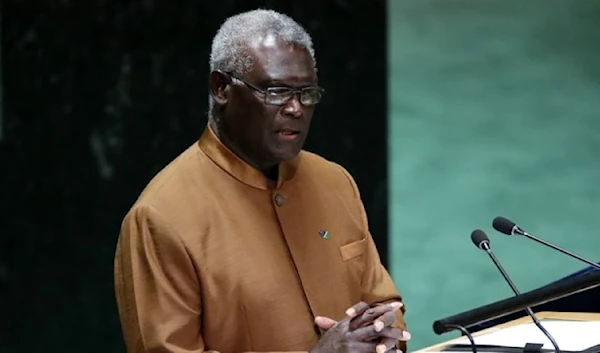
[{"x": 246, "y": 243}]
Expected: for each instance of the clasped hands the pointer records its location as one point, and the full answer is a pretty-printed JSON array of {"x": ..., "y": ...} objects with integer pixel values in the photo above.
[{"x": 364, "y": 329}]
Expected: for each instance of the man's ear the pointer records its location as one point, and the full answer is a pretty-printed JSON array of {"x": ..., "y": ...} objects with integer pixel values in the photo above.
[{"x": 219, "y": 84}]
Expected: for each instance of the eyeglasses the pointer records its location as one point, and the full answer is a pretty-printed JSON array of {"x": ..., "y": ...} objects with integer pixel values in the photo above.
[{"x": 309, "y": 96}]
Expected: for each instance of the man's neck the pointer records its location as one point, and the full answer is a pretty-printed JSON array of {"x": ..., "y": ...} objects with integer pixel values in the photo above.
[{"x": 271, "y": 172}]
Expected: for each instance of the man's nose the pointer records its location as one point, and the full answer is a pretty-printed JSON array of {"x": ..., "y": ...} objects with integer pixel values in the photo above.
[{"x": 293, "y": 108}]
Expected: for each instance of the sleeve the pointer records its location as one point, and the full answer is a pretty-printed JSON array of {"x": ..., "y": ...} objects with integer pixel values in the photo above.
[
  {"x": 157, "y": 287},
  {"x": 378, "y": 287}
]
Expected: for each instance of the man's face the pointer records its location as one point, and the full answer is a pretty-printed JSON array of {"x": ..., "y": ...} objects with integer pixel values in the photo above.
[{"x": 265, "y": 134}]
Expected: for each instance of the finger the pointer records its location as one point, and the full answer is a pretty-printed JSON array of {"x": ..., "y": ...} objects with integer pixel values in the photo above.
[
  {"x": 368, "y": 333},
  {"x": 384, "y": 321},
  {"x": 372, "y": 313},
  {"x": 395, "y": 333},
  {"x": 362, "y": 347},
  {"x": 385, "y": 345},
  {"x": 324, "y": 323},
  {"x": 357, "y": 309}
]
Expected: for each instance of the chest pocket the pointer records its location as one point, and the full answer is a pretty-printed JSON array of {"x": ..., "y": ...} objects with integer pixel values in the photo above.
[{"x": 353, "y": 250}]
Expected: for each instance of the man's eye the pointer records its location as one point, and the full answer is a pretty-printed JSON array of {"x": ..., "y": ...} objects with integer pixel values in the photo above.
[{"x": 278, "y": 91}]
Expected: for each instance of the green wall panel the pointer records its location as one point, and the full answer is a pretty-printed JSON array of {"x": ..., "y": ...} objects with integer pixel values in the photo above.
[{"x": 494, "y": 110}]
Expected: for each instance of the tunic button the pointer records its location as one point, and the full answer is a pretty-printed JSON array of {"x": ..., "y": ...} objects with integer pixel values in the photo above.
[{"x": 279, "y": 200}]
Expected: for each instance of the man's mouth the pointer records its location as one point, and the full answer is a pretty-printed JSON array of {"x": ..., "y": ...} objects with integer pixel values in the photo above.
[{"x": 288, "y": 134}]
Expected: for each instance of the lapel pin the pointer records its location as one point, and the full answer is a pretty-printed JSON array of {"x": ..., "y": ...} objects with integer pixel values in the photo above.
[{"x": 324, "y": 234}]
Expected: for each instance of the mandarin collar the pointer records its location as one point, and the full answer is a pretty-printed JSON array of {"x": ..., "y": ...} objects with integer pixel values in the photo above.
[{"x": 222, "y": 156}]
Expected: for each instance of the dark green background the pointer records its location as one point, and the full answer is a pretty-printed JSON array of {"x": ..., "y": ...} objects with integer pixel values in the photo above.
[
  {"x": 494, "y": 110},
  {"x": 98, "y": 96}
]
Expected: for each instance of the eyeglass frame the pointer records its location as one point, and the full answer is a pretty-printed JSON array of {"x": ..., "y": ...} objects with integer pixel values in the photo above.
[{"x": 265, "y": 92}]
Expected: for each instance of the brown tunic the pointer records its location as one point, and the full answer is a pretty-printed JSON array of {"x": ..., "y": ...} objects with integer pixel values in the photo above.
[{"x": 210, "y": 258}]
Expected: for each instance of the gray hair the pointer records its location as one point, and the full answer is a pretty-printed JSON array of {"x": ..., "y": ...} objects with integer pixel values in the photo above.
[{"x": 229, "y": 47}]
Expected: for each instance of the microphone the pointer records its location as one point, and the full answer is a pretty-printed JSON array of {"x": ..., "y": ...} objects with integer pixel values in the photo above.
[
  {"x": 509, "y": 227},
  {"x": 481, "y": 240}
]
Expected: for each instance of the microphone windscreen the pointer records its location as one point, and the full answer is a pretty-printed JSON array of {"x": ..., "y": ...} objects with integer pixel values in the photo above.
[
  {"x": 503, "y": 225},
  {"x": 478, "y": 237}
]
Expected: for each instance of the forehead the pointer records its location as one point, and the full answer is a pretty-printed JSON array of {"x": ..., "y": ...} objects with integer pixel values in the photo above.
[{"x": 278, "y": 61}]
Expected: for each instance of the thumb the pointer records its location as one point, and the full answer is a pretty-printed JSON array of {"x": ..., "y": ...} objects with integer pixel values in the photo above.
[{"x": 324, "y": 323}]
